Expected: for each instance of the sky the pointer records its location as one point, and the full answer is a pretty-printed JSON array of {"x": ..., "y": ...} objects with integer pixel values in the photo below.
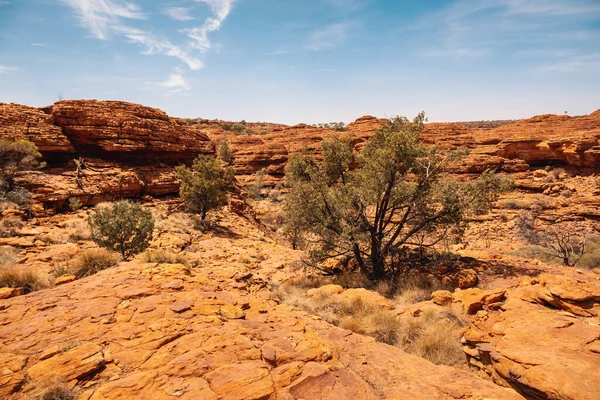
[{"x": 292, "y": 61}]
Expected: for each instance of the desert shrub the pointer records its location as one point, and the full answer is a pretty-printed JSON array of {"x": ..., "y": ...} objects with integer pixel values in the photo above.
[
  {"x": 540, "y": 203},
  {"x": 397, "y": 191},
  {"x": 224, "y": 152},
  {"x": 18, "y": 276},
  {"x": 204, "y": 186},
  {"x": 9, "y": 226},
  {"x": 560, "y": 240},
  {"x": 238, "y": 127},
  {"x": 78, "y": 230},
  {"x": 438, "y": 342},
  {"x": 255, "y": 189},
  {"x": 19, "y": 196},
  {"x": 513, "y": 204},
  {"x": 74, "y": 204},
  {"x": 557, "y": 172},
  {"x": 8, "y": 255},
  {"x": 164, "y": 257},
  {"x": 16, "y": 156},
  {"x": 59, "y": 392},
  {"x": 125, "y": 227},
  {"x": 433, "y": 334},
  {"x": 591, "y": 257},
  {"x": 92, "y": 261},
  {"x": 536, "y": 252}
]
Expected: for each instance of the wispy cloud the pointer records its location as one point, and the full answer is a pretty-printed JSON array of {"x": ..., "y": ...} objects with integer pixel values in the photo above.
[
  {"x": 278, "y": 52},
  {"x": 328, "y": 37},
  {"x": 105, "y": 17},
  {"x": 99, "y": 16},
  {"x": 6, "y": 69},
  {"x": 4, "y": 3},
  {"x": 155, "y": 45},
  {"x": 176, "y": 83},
  {"x": 38, "y": 44},
  {"x": 485, "y": 27},
  {"x": 179, "y": 13},
  {"x": 199, "y": 36},
  {"x": 589, "y": 62}
]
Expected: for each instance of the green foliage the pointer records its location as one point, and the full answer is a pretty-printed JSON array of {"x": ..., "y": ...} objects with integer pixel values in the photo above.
[
  {"x": 255, "y": 189},
  {"x": 336, "y": 126},
  {"x": 398, "y": 190},
  {"x": 74, "y": 204},
  {"x": 124, "y": 227},
  {"x": 204, "y": 186},
  {"x": 16, "y": 156},
  {"x": 224, "y": 152},
  {"x": 591, "y": 258}
]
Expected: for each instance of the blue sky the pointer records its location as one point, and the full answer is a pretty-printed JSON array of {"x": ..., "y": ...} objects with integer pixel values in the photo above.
[{"x": 309, "y": 61}]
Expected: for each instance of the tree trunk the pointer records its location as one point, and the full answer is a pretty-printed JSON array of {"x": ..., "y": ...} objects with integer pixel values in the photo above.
[{"x": 377, "y": 259}]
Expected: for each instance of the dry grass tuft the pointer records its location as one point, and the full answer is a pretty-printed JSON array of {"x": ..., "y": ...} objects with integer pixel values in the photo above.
[
  {"x": 164, "y": 257},
  {"x": 92, "y": 261},
  {"x": 17, "y": 276},
  {"x": 434, "y": 334},
  {"x": 9, "y": 226},
  {"x": 8, "y": 255},
  {"x": 58, "y": 392}
]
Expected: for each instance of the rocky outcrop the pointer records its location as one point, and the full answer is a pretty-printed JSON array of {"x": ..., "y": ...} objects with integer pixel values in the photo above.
[
  {"x": 116, "y": 129},
  {"x": 542, "y": 338},
  {"x": 101, "y": 150},
  {"x": 23, "y": 122},
  {"x": 213, "y": 331}
]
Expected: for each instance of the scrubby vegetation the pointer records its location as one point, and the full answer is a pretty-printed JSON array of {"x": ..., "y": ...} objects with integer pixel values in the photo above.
[
  {"x": 19, "y": 276},
  {"x": 16, "y": 156},
  {"x": 164, "y": 257},
  {"x": 204, "y": 186},
  {"x": 92, "y": 261},
  {"x": 432, "y": 333},
  {"x": 124, "y": 227},
  {"x": 224, "y": 152},
  {"x": 398, "y": 191}
]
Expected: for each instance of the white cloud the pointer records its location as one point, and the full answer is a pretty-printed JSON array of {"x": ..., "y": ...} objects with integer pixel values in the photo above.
[
  {"x": 329, "y": 37},
  {"x": 38, "y": 44},
  {"x": 5, "y": 69},
  {"x": 99, "y": 16},
  {"x": 176, "y": 82},
  {"x": 105, "y": 17},
  {"x": 154, "y": 45},
  {"x": 199, "y": 36},
  {"x": 4, "y": 3},
  {"x": 178, "y": 13}
]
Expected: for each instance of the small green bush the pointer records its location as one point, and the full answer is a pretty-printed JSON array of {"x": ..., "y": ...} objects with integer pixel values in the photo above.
[
  {"x": 74, "y": 204},
  {"x": 224, "y": 152},
  {"x": 204, "y": 186},
  {"x": 125, "y": 227}
]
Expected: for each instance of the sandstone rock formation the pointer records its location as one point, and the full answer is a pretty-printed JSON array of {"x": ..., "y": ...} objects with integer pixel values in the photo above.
[
  {"x": 101, "y": 150},
  {"x": 541, "y": 338}
]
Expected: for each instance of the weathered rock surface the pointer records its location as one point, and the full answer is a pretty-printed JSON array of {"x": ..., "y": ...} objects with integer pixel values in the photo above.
[
  {"x": 540, "y": 338},
  {"x": 121, "y": 129},
  {"x": 213, "y": 331},
  {"x": 23, "y": 122}
]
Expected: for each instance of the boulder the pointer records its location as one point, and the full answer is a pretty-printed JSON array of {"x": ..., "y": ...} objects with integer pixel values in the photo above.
[{"x": 467, "y": 278}]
